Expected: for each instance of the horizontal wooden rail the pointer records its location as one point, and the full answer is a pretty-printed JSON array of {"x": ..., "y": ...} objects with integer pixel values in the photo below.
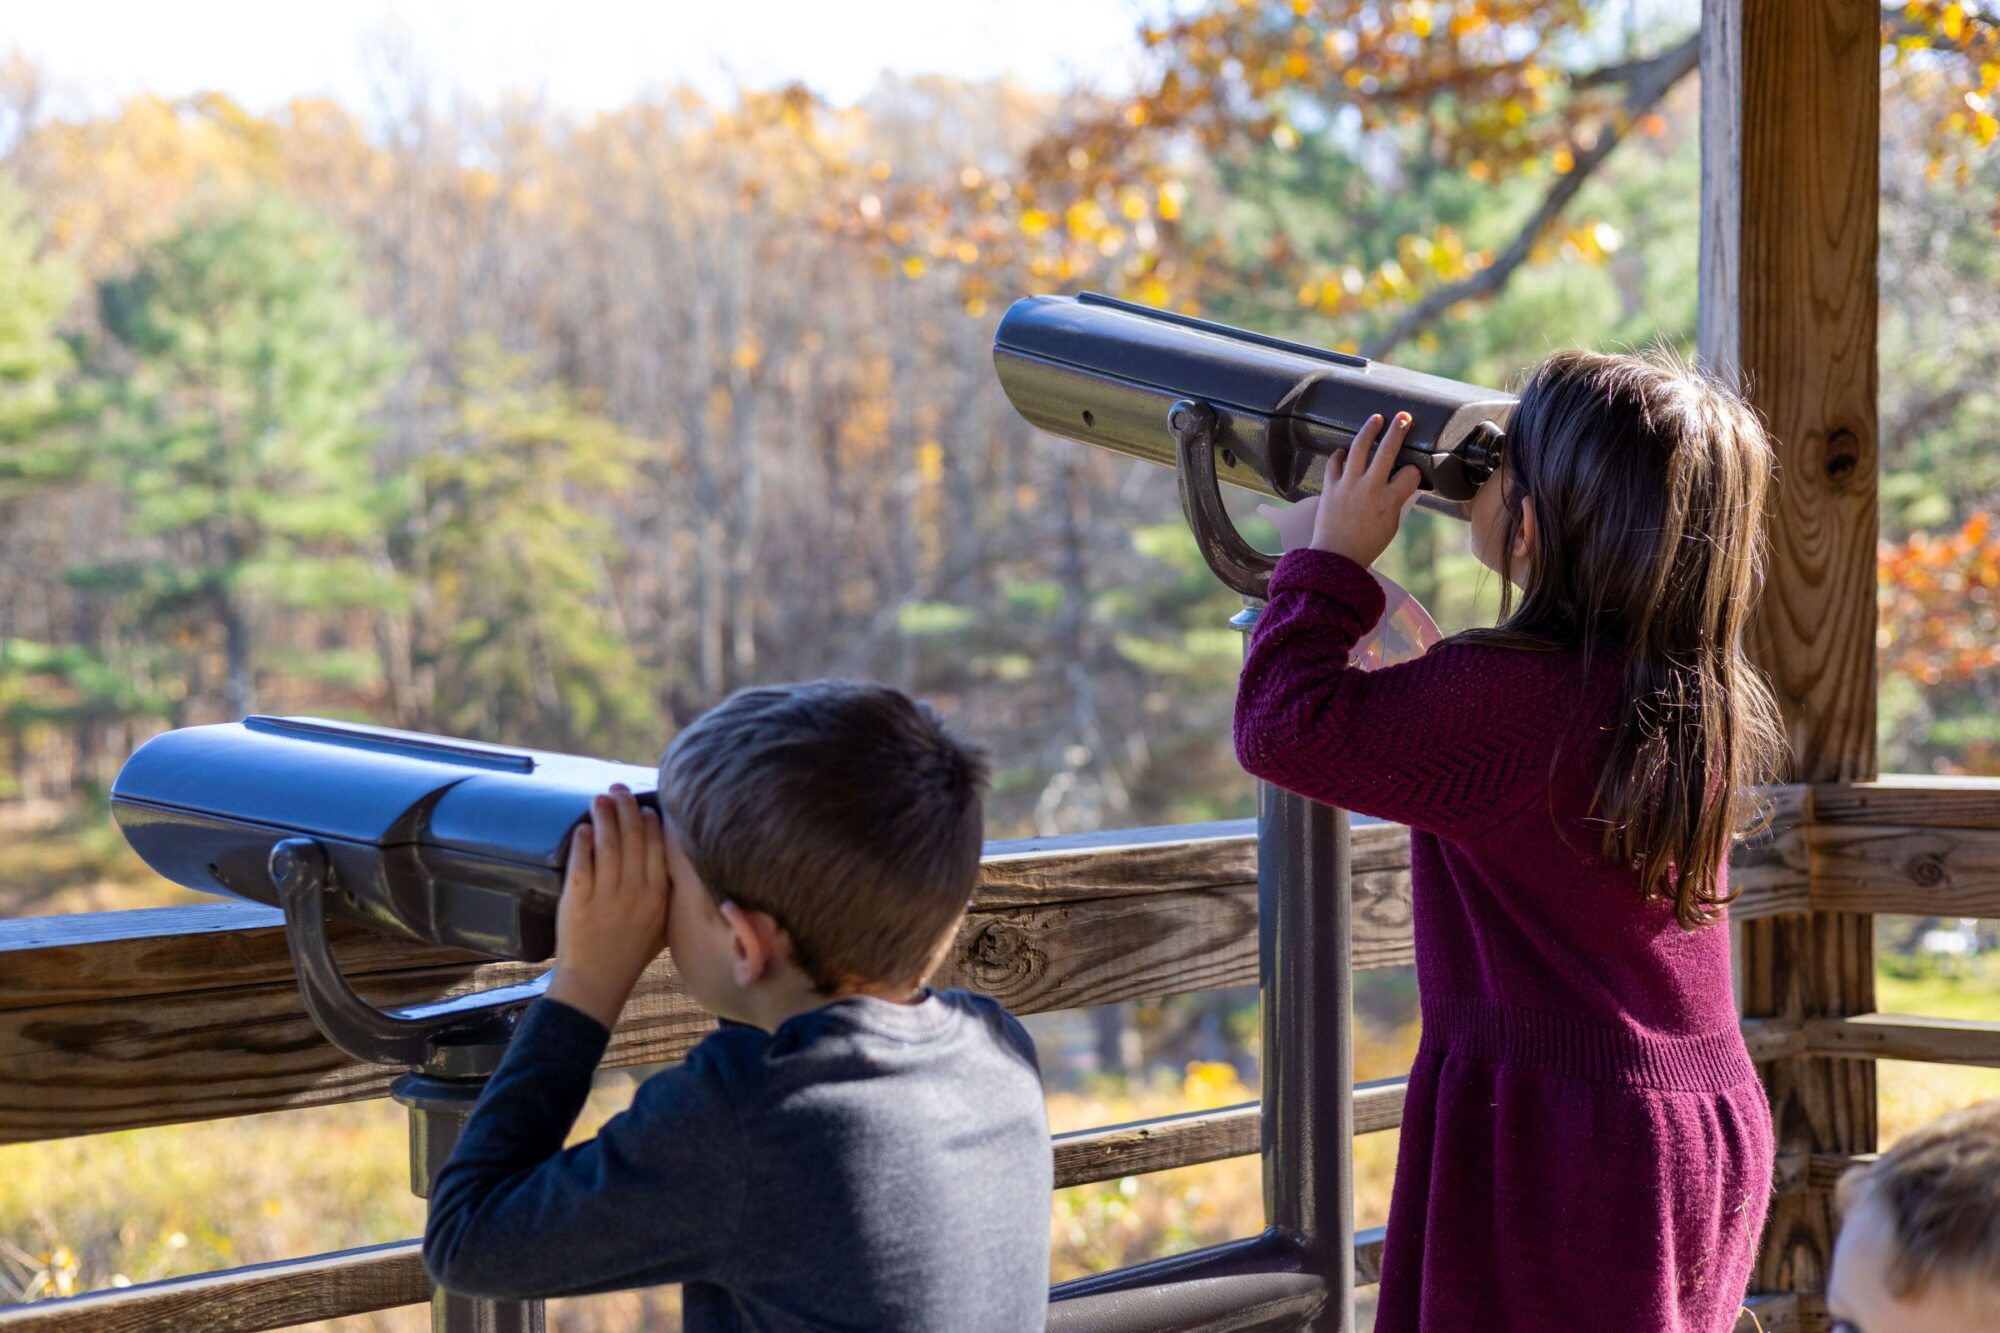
[
  {"x": 1946, "y": 1041},
  {"x": 1086, "y": 1156},
  {"x": 1775, "y": 1313},
  {"x": 382, "y": 1277},
  {"x": 1818, "y": 1172},
  {"x": 1920, "y": 845},
  {"x": 129, "y": 1019},
  {"x": 241, "y": 1300}
]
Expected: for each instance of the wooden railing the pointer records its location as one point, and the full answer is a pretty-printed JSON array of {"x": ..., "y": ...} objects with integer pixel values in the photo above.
[{"x": 129, "y": 1019}]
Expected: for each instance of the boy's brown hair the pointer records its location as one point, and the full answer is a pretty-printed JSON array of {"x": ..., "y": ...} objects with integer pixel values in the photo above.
[
  {"x": 845, "y": 810},
  {"x": 1939, "y": 1188}
]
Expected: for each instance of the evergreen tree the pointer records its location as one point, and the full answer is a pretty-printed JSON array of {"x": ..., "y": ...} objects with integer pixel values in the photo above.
[
  {"x": 34, "y": 361},
  {"x": 512, "y": 549},
  {"x": 240, "y": 441}
]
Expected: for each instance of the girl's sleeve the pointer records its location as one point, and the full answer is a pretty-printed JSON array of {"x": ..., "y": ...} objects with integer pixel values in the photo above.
[{"x": 1442, "y": 743}]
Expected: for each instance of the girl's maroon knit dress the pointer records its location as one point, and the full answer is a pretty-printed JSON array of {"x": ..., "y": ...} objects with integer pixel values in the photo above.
[{"x": 1585, "y": 1143}]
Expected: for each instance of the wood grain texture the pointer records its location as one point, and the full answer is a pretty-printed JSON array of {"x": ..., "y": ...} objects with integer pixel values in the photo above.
[
  {"x": 1952, "y": 1041},
  {"x": 143, "y": 1033},
  {"x": 1922, "y": 800},
  {"x": 1774, "y": 1313},
  {"x": 1923, "y": 871},
  {"x": 104, "y": 955},
  {"x": 1790, "y": 144},
  {"x": 241, "y": 1300},
  {"x": 383, "y": 1276},
  {"x": 1799, "y": 969},
  {"x": 1790, "y": 111},
  {"x": 1368, "y": 1255},
  {"x": 141, "y": 1060},
  {"x": 1771, "y": 869},
  {"x": 1114, "y": 1151},
  {"x": 1773, "y": 1038},
  {"x": 174, "y": 951},
  {"x": 1818, "y": 1171}
]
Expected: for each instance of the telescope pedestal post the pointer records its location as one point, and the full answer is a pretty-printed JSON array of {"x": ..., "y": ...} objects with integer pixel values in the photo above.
[
  {"x": 1305, "y": 905},
  {"x": 448, "y": 1048},
  {"x": 438, "y": 1111}
]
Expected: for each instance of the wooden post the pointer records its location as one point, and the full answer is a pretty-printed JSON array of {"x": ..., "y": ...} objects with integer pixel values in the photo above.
[{"x": 1790, "y": 110}]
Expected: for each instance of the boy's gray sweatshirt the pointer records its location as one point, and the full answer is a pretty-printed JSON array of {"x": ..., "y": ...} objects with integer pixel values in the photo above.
[{"x": 869, "y": 1165}]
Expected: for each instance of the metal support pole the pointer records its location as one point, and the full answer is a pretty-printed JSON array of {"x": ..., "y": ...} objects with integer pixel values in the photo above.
[
  {"x": 1304, "y": 904},
  {"x": 439, "y": 1108},
  {"x": 449, "y": 1048},
  {"x": 1299, "y": 1274}
]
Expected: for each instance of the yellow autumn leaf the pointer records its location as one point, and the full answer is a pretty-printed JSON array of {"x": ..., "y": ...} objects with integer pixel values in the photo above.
[{"x": 930, "y": 462}]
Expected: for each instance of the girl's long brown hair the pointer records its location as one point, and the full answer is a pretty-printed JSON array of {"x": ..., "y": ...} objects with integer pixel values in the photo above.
[{"x": 1648, "y": 481}]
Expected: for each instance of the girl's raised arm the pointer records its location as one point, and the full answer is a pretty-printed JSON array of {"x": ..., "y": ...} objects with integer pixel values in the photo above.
[{"x": 1446, "y": 743}]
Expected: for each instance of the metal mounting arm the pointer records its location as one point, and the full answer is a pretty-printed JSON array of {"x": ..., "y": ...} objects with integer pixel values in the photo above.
[
  {"x": 1241, "y": 566},
  {"x": 457, "y": 1038}
]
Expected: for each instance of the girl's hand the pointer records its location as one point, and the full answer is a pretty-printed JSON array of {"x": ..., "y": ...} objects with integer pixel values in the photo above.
[
  {"x": 1361, "y": 501},
  {"x": 612, "y": 919}
]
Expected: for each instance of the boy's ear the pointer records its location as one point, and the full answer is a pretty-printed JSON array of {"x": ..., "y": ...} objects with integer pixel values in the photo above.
[{"x": 756, "y": 942}]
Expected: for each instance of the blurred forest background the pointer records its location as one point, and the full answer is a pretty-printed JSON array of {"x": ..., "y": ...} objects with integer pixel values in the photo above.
[{"x": 547, "y": 429}]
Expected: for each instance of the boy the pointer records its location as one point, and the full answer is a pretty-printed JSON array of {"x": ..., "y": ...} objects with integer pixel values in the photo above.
[
  {"x": 1919, "y": 1247},
  {"x": 850, "y": 1150}
]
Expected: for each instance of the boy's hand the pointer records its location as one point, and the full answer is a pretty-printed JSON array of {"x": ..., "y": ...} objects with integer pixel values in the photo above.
[
  {"x": 612, "y": 919},
  {"x": 1361, "y": 501}
]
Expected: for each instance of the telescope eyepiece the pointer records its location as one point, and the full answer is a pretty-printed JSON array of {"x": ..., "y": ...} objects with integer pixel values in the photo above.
[{"x": 1482, "y": 451}]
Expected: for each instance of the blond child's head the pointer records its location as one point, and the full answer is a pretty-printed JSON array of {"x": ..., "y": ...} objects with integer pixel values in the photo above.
[
  {"x": 1919, "y": 1247},
  {"x": 823, "y": 837}
]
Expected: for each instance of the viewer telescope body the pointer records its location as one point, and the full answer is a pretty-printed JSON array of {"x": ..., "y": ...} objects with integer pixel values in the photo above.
[
  {"x": 1107, "y": 373},
  {"x": 447, "y": 841}
]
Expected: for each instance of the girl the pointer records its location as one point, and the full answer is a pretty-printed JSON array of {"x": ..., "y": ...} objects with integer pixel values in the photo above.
[{"x": 1585, "y": 1143}]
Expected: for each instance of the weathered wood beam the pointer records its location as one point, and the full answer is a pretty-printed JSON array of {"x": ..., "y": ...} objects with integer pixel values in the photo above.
[
  {"x": 126, "y": 1019},
  {"x": 1790, "y": 106},
  {"x": 1950, "y": 1041},
  {"x": 1086, "y": 1156},
  {"x": 1776, "y": 1312},
  {"x": 147, "y": 1060},
  {"x": 1790, "y": 111},
  {"x": 241, "y": 1300},
  {"x": 1819, "y": 1171},
  {"x": 1922, "y": 800},
  {"x": 1922, "y": 870}
]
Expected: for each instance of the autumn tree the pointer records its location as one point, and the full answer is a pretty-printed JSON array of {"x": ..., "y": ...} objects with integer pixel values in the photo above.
[{"x": 1524, "y": 100}]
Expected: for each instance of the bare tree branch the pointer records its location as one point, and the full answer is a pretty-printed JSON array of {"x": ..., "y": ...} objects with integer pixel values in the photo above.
[{"x": 1649, "y": 82}]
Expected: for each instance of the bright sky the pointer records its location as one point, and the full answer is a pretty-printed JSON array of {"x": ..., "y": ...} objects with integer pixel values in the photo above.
[{"x": 577, "y": 54}]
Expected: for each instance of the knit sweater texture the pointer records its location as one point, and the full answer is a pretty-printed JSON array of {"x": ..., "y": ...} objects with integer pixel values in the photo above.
[{"x": 1585, "y": 1143}]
